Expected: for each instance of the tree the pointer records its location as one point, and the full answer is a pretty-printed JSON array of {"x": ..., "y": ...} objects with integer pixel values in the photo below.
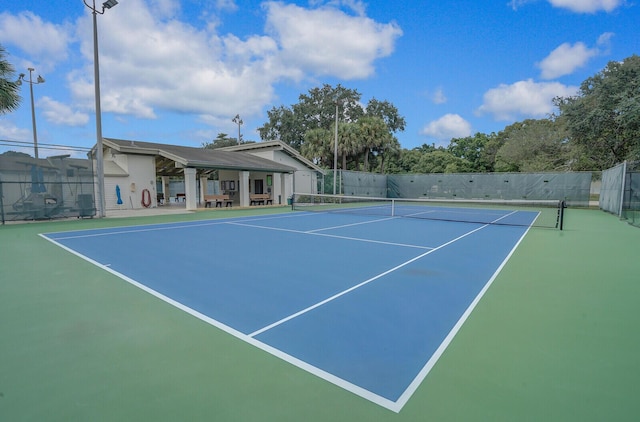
[
  {"x": 9, "y": 97},
  {"x": 388, "y": 113},
  {"x": 533, "y": 145},
  {"x": 317, "y": 109},
  {"x": 390, "y": 148},
  {"x": 441, "y": 161},
  {"x": 15, "y": 154},
  {"x": 374, "y": 135},
  {"x": 350, "y": 143},
  {"x": 283, "y": 125},
  {"x": 317, "y": 147},
  {"x": 603, "y": 120},
  {"x": 474, "y": 149},
  {"x": 221, "y": 141}
]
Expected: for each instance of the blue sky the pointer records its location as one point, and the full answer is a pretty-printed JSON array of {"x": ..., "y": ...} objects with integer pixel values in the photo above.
[{"x": 179, "y": 71}]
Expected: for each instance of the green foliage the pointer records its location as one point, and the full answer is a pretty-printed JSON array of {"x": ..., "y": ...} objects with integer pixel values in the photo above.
[
  {"x": 604, "y": 118},
  {"x": 9, "y": 97},
  {"x": 375, "y": 137},
  {"x": 15, "y": 154},
  {"x": 388, "y": 113},
  {"x": 317, "y": 147},
  {"x": 478, "y": 151},
  {"x": 441, "y": 161},
  {"x": 283, "y": 125},
  {"x": 315, "y": 110},
  {"x": 533, "y": 146},
  {"x": 221, "y": 141},
  {"x": 594, "y": 130},
  {"x": 365, "y": 135},
  {"x": 428, "y": 159}
]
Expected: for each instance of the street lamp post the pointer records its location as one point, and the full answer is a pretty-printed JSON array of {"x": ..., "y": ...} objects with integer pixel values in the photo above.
[
  {"x": 31, "y": 83},
  {"x": 96, "y": 70},
  {"x": 335, "y": 153},
  {"x": 239, "y": 121}
]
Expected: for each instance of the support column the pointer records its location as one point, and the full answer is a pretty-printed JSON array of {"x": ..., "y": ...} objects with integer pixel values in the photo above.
[
  {"x": 278, "y": 196},
  {"x": 190, "y": 188},
  {"x": 244, "y": 188},
  {"x": 203, "y": 188},
  {"x": 287, "y": 185},
  {"x": 165, "y": 189}
]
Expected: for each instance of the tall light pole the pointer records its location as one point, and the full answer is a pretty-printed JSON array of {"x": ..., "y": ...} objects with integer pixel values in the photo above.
[
  {"x": 239, "y": 121},
  {"x": 31, "y": 83},
  {"x": 335, "y": 152},
  {"x": 96, "y": 81}
]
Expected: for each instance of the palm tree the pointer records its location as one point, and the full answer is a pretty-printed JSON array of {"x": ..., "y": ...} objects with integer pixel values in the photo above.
[
  {"x": 374, "y": 133},
  {"x": 316, "y": 146},
  {"x": 390, "y": 147},
  {"x": 349, "y": 142},
  {"x": 9, "y": 97}
]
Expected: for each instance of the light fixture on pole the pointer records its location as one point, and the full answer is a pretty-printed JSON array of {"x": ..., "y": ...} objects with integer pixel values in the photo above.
[
  {"x": 96, "y": 80},
  {"x": 31, "y": 83},
  {"x": 239, "y": 121}
]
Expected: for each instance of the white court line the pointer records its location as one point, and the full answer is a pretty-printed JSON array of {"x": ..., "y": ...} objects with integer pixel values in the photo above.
[
  {"x": 313, "y": 233},
  {"x": 352, "y": 224},
  {"x": 404, "y": 398},
  {"x": 113, "y": 231},
  {"x": 141, "y": 230},
  {"x": 394, "y": 406},
  {"x": 364, "y": 283},
  {"x": 327, "y": 376}
]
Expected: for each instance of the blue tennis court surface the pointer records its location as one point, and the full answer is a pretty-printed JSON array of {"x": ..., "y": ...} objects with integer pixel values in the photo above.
[{"x": 367, "y": 303}]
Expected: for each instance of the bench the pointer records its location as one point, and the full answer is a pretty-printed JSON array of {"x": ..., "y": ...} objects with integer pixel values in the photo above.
[
  {"x": 260, "y": 199},
  {"x": 218, "y": 200}
]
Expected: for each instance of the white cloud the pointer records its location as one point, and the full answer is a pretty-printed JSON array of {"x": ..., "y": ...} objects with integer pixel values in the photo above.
[
  {"x": 151, "y": 61},
  {"x": 587, "y": 6},
  {"x": 578, "y": 6},
  {"x": 46, "y": 42},
  {"x": 327, "y": 41},
  {"x": 61, "y": 114},
  {"x": 226, "y": 5},
  {"x": 447, "y": 127},
  {"x": 438, "y": 97},
  {"x": 566, "y": 58},
  {"x": 356, "y": 6},
  {"x": 8, "y": 130},
  {"x": 149, "y": 64},
  {"x": 524, "y": 99}
]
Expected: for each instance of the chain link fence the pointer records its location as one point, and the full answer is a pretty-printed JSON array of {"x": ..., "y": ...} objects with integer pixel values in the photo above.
[
  {"x": 58, "y": 186},
  {"x": 620, "y": 192}
]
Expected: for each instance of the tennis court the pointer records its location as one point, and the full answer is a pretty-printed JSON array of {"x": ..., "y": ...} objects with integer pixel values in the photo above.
[
  {"x": 306, "y": 316},
  {"x": 368, "y": 303}
]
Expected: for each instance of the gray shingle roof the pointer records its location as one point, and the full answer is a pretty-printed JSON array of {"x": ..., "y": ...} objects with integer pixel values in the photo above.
[{"x": 199, "y": 157}]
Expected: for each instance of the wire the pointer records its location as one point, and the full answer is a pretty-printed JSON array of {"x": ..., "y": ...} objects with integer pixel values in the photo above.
[{"x": 6, "y": 142}]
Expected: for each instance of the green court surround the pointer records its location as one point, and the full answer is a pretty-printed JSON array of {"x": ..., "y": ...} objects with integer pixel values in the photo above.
[{"x": 554, "y": 339}]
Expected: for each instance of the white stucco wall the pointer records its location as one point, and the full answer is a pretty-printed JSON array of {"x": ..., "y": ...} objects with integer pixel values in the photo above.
[
  {"x": 305, "y": 180},
  {"x": 142, "y": 175}
]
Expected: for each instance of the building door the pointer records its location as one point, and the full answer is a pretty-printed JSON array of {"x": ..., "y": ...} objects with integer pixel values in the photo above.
[{"x": 257, "y": 186}]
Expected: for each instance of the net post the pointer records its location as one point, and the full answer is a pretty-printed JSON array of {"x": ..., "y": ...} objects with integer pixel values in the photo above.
[
  {"x": 562, "y": 205},
  {"x": 393, "y": 207}
]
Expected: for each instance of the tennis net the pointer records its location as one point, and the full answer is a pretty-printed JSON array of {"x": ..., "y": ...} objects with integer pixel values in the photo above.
[{"x": 543, "y": 213}]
